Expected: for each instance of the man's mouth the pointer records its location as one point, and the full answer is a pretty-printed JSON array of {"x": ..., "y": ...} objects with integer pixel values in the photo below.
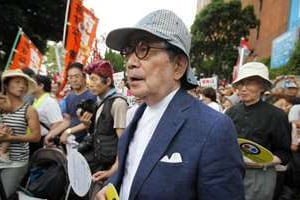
[{"x": 135, "y": 78}]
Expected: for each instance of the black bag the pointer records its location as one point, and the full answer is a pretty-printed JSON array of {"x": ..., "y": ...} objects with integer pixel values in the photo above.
[{"x": 47, "y": 179}]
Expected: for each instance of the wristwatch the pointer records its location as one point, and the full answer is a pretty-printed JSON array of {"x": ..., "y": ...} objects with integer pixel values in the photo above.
[{"x": 69, "y": 131}]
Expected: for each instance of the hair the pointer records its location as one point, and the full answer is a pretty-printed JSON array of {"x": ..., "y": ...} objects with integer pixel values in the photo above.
[
  {"x": 210, "y": 93},
  {"x": 40, "y": 79},
  {"x": 28, "y": 71},
  {"x": 174, "y": 51},
  {"x": 103, "y": 69},
  {"x": 6, "y": 81},
  {"x": 76, "y": 65}
]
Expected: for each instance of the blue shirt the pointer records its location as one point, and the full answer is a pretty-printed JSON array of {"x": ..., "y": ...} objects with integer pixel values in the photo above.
[{"x": 71, "y": 102}]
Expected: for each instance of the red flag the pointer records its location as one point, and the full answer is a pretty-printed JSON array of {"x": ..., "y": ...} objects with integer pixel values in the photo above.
[
  {"x": 26, "y": 55},
  {"x": 81, "y": 32}
]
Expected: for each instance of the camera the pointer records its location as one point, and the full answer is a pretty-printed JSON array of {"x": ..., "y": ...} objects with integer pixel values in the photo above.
[{"x": 87, "y": 105}]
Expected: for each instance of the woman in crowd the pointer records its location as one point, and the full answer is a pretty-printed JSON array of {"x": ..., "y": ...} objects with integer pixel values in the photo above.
[{"x": 16, "y": 84}]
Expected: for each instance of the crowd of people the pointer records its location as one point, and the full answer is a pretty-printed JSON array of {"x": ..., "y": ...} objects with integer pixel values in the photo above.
[{"x": 179, "y": 140}]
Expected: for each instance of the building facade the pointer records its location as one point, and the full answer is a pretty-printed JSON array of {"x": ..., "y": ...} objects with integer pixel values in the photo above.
[{"x": 274, "y": 18}]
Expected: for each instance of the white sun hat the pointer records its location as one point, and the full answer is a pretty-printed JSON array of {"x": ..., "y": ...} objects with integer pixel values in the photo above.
[
  {"x": 251, "y": 69},
  {"x": 19, "y": 73}
]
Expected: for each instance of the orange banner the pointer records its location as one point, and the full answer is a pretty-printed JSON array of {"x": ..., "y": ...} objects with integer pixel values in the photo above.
[
  {"x": 81, "y": 32},
  {"x": 26, "y": 55}
]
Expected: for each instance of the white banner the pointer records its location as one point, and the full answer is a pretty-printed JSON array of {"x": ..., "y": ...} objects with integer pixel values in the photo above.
[{"x": 209, "y": 82}]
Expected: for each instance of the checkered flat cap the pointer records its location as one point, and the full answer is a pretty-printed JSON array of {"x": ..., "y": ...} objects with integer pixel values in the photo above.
[{"x": 164, "y": 24}]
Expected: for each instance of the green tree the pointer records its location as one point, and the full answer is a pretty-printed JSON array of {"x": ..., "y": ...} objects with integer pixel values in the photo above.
[
  {"x": 40, "y": 20},
  {"x": 216, "y": 33},
  {"x": 116, "y": 60}
]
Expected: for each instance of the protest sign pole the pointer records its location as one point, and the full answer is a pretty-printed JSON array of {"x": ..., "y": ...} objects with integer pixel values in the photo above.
[
  {"x": 66, "y": 22},
  {"x": 13, "y": 48}
]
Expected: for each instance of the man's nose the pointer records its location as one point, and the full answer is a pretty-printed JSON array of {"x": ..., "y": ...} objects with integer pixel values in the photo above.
[{"x": 132, "y": 61}]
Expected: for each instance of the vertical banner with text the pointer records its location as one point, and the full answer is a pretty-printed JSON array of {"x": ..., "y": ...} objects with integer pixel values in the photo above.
[{"x": 81, "y": 32}]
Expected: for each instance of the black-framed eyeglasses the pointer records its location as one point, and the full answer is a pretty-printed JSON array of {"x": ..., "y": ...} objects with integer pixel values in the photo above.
[{"x": 141, "y": 50}]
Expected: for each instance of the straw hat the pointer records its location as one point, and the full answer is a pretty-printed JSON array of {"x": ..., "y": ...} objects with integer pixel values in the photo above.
[{"x": 19, "y": 73}]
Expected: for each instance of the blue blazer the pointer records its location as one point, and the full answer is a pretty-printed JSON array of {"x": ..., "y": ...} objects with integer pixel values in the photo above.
[{"x": 211, "y": 167}]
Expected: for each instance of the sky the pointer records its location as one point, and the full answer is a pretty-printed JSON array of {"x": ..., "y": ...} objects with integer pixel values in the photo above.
[{"x": 114, "y": 14}]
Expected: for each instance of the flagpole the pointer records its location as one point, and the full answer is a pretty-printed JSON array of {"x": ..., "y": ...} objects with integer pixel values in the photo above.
[
  {"x": 66, "y": 22},
  {"x": 241, "y": 58},
  {"x": 13, "y": 48},
  {"x": 58, "y": 58}
]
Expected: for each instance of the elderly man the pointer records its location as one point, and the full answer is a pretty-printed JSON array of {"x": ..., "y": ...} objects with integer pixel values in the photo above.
[
  {"x": 263, "y": 123},
  {"x": 175, "y": 147}
]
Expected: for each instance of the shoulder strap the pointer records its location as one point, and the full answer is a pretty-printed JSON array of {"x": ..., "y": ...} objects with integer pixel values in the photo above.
[{"x": 45, "y": 126}]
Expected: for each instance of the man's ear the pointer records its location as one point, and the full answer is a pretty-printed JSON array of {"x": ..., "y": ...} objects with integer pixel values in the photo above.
[
  {"x": 181, "y": 65},
  {"x": 108, "y": 81}
]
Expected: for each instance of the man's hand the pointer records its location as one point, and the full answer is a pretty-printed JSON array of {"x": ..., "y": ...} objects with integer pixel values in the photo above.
[
  {"x": 85, "y": 118},
  {"x": 101, "y": 195},
  {"x": 5, "y": 132},
  {"x": 48, "y": 141},
  {"x": 64, "y": 137},
  {"x": 102, "y": 175}
]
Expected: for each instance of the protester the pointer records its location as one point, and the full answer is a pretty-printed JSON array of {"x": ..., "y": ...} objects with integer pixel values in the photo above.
[
  {"x": 5, "y": 106},
  {"x": 263, "y": 123},
  {"x": 109, "y": 121},
  {"x": 55, "y": 85},
  {"x": 47, "y": 107},
  {"x": 78, "y": 94},
  {"x": 16, "y": 85},
  {"x": 175, "y": 147},
  {"x": 28, "y": 98},
  {"x": 110, "y": 117},
  {"x": 210, "y": 99},
  {"x": 229, "y": 101},
  {"x": 294, "y": 118}
]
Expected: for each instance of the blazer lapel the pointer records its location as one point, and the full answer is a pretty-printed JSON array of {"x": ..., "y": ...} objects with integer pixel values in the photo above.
[{"x": 170, "y": 123}]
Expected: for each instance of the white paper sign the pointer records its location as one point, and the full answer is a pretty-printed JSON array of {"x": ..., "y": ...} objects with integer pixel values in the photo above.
[{"x": 209, "y": 82}]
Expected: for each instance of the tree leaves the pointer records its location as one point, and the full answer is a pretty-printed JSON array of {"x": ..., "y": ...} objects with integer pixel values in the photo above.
[
  {"x": 216, "y": 33},
  {"x": 40, "y": 20}
]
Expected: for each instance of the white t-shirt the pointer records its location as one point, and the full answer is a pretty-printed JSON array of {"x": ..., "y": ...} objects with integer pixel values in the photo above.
[
  {"x": 143, "y": 133},
  {"x": 49, "y": 112}
]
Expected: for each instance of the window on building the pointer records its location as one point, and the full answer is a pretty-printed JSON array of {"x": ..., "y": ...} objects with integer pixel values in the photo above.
[
  {"x": 258, "y": 30},
  {"x": 260, "y": 5}
]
